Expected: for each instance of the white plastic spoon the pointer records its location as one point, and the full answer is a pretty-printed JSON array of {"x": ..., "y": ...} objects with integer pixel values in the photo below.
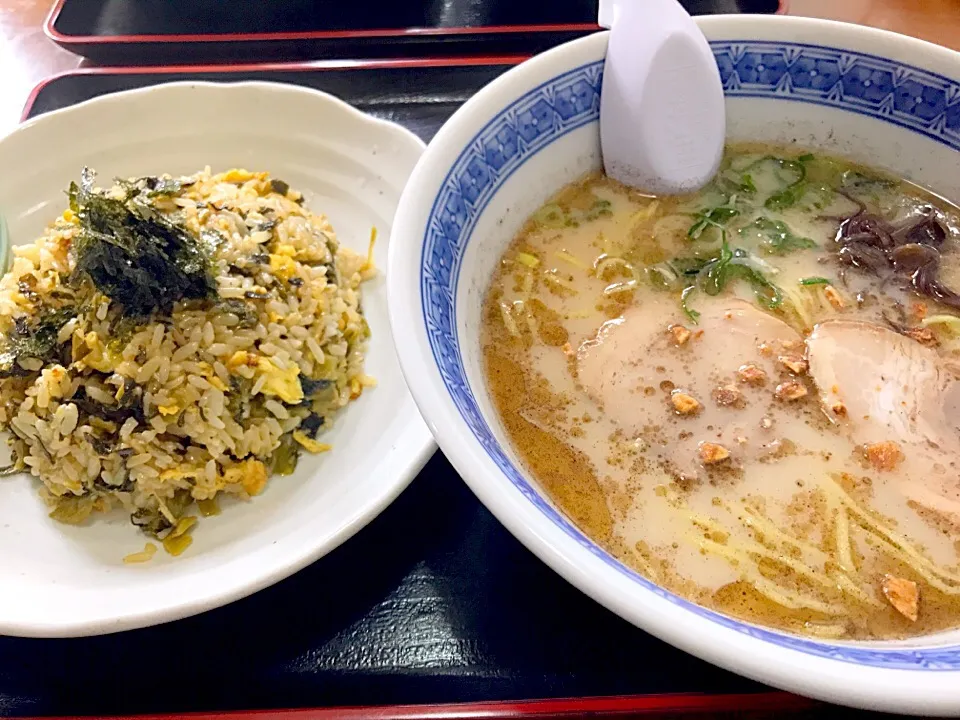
[{"x": 662, "y": 121}]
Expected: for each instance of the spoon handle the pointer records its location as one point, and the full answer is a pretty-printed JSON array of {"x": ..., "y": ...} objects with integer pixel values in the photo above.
[{"x": 605, "y": 14}]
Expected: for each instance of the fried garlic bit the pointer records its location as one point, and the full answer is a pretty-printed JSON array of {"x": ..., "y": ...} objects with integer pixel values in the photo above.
[
  {"x": 751, "y": 374},
  {"x": 728, "y": 396},
  {"x": 683, "y": 403},
  {"x": 796, "y": 365},
  {"x": 680, "y": 334},
  {"x": 790, "y": 390},
  {"x": 884, "y": 455},
  {"x": 924, "y": 336},
  {"x": 903, "y": 594},
  {"x": 712, "y": 453}
]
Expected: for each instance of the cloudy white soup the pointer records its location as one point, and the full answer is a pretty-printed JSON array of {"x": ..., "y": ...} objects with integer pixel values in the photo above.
[{"x": 750, "y": 395}]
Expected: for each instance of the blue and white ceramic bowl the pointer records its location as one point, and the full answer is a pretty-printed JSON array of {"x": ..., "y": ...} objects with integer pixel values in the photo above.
[{"x": 885, "y": 99}]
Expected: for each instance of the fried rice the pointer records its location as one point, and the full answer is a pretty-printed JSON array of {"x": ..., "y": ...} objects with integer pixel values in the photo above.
[{"x": 169, "y": 341}]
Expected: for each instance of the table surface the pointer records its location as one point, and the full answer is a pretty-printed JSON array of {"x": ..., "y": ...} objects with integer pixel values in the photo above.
[{"x": 27, "y": 56}]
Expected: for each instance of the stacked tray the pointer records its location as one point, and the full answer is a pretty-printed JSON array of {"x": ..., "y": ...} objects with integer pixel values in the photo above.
[{"x": 121, "y": 31}]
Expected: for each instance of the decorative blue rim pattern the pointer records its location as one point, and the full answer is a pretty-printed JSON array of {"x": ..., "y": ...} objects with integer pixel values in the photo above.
[{"x": 907, "y": 96}]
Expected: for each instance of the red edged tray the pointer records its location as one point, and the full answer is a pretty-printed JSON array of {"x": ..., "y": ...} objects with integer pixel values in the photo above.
[
  {"x": 741, "y": 707},
  {"x": 157, "y": 31},
  {"x": 433, "y": 603}
]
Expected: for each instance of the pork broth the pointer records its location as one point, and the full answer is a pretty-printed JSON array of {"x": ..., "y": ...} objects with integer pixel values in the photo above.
[{"x": 749, "y": 395}]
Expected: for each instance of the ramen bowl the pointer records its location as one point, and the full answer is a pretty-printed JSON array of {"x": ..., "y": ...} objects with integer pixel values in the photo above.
[{"x": 876, "y": 97}]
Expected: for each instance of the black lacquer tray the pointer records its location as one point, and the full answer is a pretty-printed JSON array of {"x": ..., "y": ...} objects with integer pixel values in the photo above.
[
  {"x": 149, "y": 31},
  {"x": 434, "y": 602}
]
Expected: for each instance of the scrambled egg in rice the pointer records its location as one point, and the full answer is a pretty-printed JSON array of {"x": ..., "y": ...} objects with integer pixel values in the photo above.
[{"x": 169, "y": 341}]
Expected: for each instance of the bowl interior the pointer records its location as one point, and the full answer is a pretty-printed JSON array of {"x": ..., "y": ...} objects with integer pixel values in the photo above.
[{"x": 883, "y": 112}]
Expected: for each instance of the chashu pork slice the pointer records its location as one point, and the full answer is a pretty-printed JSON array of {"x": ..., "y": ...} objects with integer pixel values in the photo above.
[
  {"x": 884, "y": 387},
  {"x": 643, "y": 370}
]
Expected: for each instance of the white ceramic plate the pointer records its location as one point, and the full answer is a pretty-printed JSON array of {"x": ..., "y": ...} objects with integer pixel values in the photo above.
[{"x": 61, "y": 581}]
